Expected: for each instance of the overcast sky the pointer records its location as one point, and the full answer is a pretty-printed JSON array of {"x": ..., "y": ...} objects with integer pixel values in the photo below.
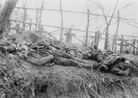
[{"x": 79, "y": 20}]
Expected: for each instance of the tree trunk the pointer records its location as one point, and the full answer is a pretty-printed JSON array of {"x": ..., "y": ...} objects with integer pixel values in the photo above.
[{"x": 5, "y": 14}]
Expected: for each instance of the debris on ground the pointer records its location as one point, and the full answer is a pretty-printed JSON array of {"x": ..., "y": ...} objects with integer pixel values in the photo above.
[{"x": 40, "y": 68}]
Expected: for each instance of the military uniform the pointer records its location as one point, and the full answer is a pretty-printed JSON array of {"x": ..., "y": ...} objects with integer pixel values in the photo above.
[
  {"x": 39, "y": 54},
  {"x": 70, "y": 62},
  {"x": 38, "y": 60},
  {"x": 116, "y": 64},
  {"x": 121, "y": 69},
  {"x": 73, "y": 52},
  {"x": 94, "y": 55}
]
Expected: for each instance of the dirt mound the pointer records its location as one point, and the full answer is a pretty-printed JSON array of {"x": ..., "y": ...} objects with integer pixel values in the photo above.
[{"x": 20, "y": 79}]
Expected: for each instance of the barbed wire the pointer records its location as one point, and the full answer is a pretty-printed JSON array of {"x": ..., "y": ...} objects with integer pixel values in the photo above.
[
  {"x": 125, "y": 20},
  {"x": 77, "y": 12},
  {"x": 67, "y": 28}
]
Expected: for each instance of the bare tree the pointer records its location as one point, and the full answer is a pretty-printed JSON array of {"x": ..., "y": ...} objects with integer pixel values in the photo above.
[
  {"x": 108, "y": 22},
  {"x": 107, "y": 19}
]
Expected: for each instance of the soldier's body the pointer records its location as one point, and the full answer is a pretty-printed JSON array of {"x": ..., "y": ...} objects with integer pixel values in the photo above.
[
  {"x": 94, "y": 55},
  {"x": 116, "y": 65}
]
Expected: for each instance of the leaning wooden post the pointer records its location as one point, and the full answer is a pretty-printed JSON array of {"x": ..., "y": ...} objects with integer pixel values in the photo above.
[{"x": 5, "y": 14}]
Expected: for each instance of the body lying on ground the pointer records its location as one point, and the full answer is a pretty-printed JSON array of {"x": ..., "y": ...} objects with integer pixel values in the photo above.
[
  {"x": 40, "y": 53},
  {"x": 94, "y": 55},
  {"x": 118, "y": 65}
]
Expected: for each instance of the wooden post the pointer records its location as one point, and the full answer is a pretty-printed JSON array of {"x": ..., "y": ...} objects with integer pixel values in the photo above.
[
  {"x": 127, "y": 43},
  {"x": 17, "y": 28},
  {"x": 97, "y": 36},
  {"x": 87, "y": 28},
  {"x": 42, "y": 6},
  {"x": 134, "y": 42},
  {"x": 36, "y": 19},
  {"x": 30, "y": 27},
  {"x": 113, "y": 44},
  {"x": 24, "y": 14},
  {"x": 41, "y": 28},
  {"x": 5, "y": 14},
  {"x": 117, "y": 32},
  {"x": 92, "y": 41},
  {"x": 121, "y": 44},
  {"x": 106, "y": 39},
  {"x": 137, "y": 47},
  {"x": 0, "y": 6},
  {"x": 61, "y": 33}
]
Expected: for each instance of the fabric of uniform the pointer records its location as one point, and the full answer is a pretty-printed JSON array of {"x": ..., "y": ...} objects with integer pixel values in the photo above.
[{"x": 94, "y": 55}]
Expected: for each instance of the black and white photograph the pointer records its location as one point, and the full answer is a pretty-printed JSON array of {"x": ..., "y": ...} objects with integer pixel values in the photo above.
[{"x": 68, "y": 49}]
